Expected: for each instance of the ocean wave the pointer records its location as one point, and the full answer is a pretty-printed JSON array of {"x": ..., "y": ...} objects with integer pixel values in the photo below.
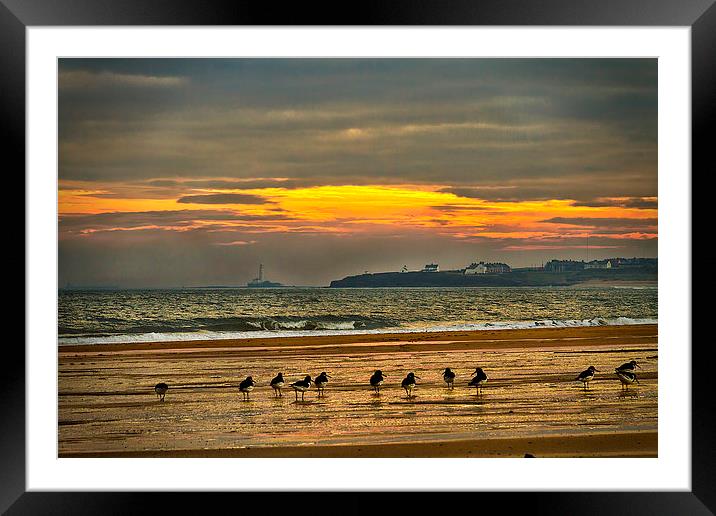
[
  {"x": 547, "y": 323},
  {"x": 232, "y": 325},
  {"x": 270, "y": 328}
]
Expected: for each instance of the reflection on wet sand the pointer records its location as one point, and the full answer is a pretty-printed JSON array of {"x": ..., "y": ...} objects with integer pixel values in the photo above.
[{"x": 107, "y": 404}]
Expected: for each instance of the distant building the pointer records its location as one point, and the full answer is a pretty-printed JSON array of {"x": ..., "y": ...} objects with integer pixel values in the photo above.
[
  {"x": 634, "y": 262},
  {"x": 260, "y": 282},
  {"x": 497, "y": 268},
  {"x": 431, "y": 267},
  {"x": 487, "y": 268},
  {"x": 598, "y": 264},
  {"x": 476, "y": 268}
]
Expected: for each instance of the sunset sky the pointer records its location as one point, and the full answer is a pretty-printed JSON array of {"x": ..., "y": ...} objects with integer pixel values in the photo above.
[{"x": 191, "y": 172}]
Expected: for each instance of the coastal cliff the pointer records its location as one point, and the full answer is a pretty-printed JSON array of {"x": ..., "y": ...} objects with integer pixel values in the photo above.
[{"x": 512, "y": 279}]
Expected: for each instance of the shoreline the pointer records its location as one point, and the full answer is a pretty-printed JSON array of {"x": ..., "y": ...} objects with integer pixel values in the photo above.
[
  {"x": 532, "y": 338},
  {"x": 642, "y": 443}
]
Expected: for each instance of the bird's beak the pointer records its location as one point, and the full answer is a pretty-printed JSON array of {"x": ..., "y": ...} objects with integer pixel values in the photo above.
[
  {"x": 328, "y": 376},
  {"x": 638, "y": 366},
  {"x": 597, "y": 370},
  {"x": 418, "y": 378}
]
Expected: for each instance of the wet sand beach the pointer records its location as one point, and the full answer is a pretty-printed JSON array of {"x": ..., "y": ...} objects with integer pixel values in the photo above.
[
  {"x": 530, "y": 404},
  {"x": 622, "y": 444}
]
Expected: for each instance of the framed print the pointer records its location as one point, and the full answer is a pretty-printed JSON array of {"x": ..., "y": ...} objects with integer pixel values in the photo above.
[{"x": 256, "y": 252}]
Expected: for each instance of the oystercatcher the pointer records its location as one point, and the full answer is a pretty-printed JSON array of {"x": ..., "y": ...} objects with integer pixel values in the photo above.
[
  {"x": 302, "y": 386},
  {"x": 246, "y": 387},
  {"x": 449, "y": 377},
  {"x": 161, "y": 389},
  {"x": 629, "y": 367},
  {"x": 627, "y": 378},
  {"x": 377, "y": 380},
  {"x": 478, "y": 378},
  {"x": 321, "y": 381},
  {"x": 276, "y": 384},
  {"x": 409, "y": 383},
  {"x": 586, "y": 376}
]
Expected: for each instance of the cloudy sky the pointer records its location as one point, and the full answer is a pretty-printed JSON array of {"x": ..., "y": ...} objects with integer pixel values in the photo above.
[{"x": 193, "y": 171}]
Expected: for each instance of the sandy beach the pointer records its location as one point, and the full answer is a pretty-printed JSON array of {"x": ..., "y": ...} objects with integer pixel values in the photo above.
[
  {"x": 587, "y": 336},
  {"x": 530, "y": 404},
  {"x": 623, "y": 444}
]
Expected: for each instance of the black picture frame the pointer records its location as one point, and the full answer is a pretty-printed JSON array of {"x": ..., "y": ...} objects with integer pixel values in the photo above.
[{"x": 16, "y": 15}]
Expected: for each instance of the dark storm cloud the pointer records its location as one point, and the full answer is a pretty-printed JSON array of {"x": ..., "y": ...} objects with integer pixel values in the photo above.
[
  {"x": 178, "y": 218},
  {"x": 387, "y": 120},
  {"x": 580, "y": 188},
  {"x": 605, "y": 222},
  {"x": 227, "y": 198},
  {"x": 634, "y": 202},
  {"x": 504, "y": 193},
  {"x": 257, "y": 184}
]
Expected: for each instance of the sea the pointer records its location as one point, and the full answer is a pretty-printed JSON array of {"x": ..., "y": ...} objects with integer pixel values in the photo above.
[{"x": 134, "y": 315}]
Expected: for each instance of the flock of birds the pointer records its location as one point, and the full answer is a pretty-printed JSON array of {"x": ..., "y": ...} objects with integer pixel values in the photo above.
[{"x": 625, "y": 372}]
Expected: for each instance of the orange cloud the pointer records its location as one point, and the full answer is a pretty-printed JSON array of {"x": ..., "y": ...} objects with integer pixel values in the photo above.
[{"x": 379, "y": 209}]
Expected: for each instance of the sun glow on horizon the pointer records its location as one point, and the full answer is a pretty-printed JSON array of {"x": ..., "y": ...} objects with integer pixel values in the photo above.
[{"x": 354, "y": 209}]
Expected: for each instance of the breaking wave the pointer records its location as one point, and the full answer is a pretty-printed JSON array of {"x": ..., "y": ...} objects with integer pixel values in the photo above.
[{"x": 272, "y": 328}]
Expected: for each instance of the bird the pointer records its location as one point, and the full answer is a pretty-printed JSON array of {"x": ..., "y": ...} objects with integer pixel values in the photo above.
[
  {"x": 276, "y": 384},
  {"x": 247, "y": 386},
  {"x": 586, "y": 376},
  {"x": 301, "y": 385},
  {"x": 321, "y": 381},
  {"x": 377, "y": 380},
  {"x": 408, "y": 383},
  {"x": 628, "y": 367},
  {"x": 627, "y": 378},
  {"x": 449, "y": 377},
  {"x": 478, "y": 378},
  {"x": 161, "y": 389}
]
